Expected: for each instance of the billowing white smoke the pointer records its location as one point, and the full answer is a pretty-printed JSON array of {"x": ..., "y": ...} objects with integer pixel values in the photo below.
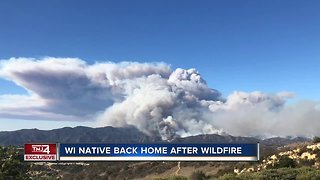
[
  {"x": 171, "y": 106},
  {"x": 150, "y": 96}
]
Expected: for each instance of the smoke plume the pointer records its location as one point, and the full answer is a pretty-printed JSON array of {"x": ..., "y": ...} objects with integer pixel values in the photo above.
[{"x": 150, "y": 96}]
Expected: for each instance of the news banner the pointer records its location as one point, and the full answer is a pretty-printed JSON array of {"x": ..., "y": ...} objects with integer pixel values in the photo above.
[{"x": 140, "y": 152}]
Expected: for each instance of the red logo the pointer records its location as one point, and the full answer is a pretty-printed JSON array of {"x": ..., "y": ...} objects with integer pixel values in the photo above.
[{"x": 40, "y": 152}]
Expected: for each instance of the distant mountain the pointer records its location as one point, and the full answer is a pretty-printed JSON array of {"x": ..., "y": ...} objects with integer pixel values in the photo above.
[
  {"x": 78, "y": 134},
  {"x": 110, "y": 134},
  {"x": 205, "y": 138},
  {"x": 281, "y": 141}
]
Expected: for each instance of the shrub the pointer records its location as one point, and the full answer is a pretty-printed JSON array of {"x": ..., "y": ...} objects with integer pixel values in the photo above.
[
  {"x": 308, "y": 173},
  {"x": 178, "y": 178},
  {"x": 316, "y": 139},
  {"x": 282, "y": 173},
  {"x": 172, "y": 178},
  {"x": 198, "y": 175},
  {"x": 301, "y": 173},
  {"x": 11, "y": 165},
  {"x": 229, "y": 176},
  {"x": 285, "y": 161}
]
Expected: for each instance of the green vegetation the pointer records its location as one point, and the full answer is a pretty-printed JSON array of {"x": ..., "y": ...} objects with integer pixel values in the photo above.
[
  {"x": 11, "y": 165},
  {"x": 284, "y": 162},
  {"x": 316, "y": 139},
  {"x": 302, "y": 173},
  {"x": 199, "y": 175},
  {"x": 279, "y": 174},
  {"x": 173, "y": 178}
]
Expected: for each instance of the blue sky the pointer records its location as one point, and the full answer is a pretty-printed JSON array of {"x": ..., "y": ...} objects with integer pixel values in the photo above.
[{"x": 267, "y": 45}]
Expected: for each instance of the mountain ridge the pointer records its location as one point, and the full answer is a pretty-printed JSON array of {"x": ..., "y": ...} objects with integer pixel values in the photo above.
[{"x": 109, "y": 134}]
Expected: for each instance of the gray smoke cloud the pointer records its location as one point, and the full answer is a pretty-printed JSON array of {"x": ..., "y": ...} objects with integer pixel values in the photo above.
[{"x": 150, "y": 96}]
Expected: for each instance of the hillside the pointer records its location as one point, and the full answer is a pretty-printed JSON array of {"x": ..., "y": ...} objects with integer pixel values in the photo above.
[{"x": 295, "y": 161}]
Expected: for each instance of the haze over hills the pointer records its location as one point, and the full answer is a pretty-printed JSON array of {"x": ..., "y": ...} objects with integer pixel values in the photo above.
[{"x": 110, "y": 134}]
